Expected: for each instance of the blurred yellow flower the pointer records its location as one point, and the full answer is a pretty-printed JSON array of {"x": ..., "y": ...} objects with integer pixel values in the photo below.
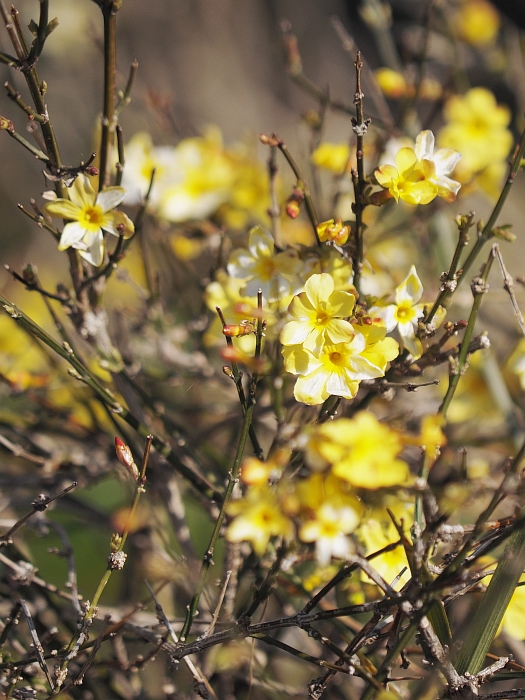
[
  {"x": 477, "y": 22},
  {"x": 261, "y": 268},
  {"x": 391, "y": 82},
  {"x": 362, "y": 451},
  {"x": 331, "y": 156},
  {"x": 257, "y": 518},
  {"x": 378, "y": 531},
  {"x": 477, "y": 125}
]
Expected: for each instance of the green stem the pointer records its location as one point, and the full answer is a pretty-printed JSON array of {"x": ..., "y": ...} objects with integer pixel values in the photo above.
[
  {"x": 479, "y": 288},
  {"x": 449, "y": 283},
  {"x": 139, "y": 489},
  {"x": 359, "y": 126}
]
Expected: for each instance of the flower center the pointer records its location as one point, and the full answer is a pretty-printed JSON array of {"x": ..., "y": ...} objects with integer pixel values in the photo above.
[
  {"x": 265, "y": 268},
  {"x": 91, "y": 217},
  {"x": 405, "y": 312},
  {"x": 322, "y": 318},
  {"x": 336, "y": 358}
]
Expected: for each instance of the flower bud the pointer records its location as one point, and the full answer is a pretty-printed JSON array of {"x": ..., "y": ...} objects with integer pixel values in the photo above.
[
  {"x": 268, "y": 140},
  {"x": 333, "y": 231},
  {"x": 294, "y": 202},
  {"x": 125, "y": 457},
  {"x": 232, "y": 330},
  {"x": 6, "y": 124}
]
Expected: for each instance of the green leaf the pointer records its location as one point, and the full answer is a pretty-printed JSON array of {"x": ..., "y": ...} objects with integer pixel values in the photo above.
[{"x": 494, "y": 603}]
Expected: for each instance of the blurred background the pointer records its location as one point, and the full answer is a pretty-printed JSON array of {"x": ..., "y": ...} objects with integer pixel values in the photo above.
[{"x": 221, "y": 62}]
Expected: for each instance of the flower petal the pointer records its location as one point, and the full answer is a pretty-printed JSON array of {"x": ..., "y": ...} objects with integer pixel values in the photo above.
[
  {"x": 63, "y": 208},
  {"x": 72, "y": 234},
  {"x": 295, "y": 332},
  {"x": 311, "y": 389},
  {"x": 410, "y": 289},
  {"x": 318, "y": 288},
  {"x": 424, "y": 145},
  {"x": 81, "y": 192},
  {"x": 260, "y": 243},
  {"x": 95, "y": 254},
  {"x": 110, "y": 198},
  {"x": 114, "y": 219},
  {"x": 338, "y": 384}
]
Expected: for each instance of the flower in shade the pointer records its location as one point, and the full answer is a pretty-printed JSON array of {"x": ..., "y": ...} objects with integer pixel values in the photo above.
[
  {"x": 420, "y": 175},
  {"x": 90, "y": 214},
  {"x": 319, "y": 315},
  {"x": 405, "y": 313},
  {"x": 275, "y": 274}
]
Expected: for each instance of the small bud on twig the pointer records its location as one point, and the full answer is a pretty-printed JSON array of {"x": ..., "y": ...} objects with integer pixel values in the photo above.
[{"x": 125, "y": 457}]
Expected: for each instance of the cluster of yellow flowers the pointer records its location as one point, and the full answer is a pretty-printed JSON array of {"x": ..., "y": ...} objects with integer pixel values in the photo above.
[
  {"x": 350, "y": 468},
  {"x": 197, "y": 178},
  {"x": 344, "y": 458}
]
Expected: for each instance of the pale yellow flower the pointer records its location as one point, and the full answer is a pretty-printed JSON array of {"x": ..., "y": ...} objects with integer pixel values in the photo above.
[
  {"x": 337, "y": 371},
  {"x": 90, "y": 214},
  {"x": 405, "y": 313},
  {"x": 260, "y": 268},
  {"x": 420, "y": 175},
  {"x": 258, "y": 518},
  {"x": 318, "y": 315}
]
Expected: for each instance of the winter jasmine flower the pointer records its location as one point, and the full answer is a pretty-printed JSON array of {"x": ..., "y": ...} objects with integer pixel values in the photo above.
[{"x": 90, "y": 214}]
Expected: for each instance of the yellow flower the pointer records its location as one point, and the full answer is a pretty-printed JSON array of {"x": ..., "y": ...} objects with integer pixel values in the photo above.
[
  {"x": 337, "y": 370},
  {"x": 377, "y": 532},
  {"x": 477, "y": 125},
  {"x": 477, "y": 22},
  {"x": 90, "y": 214},
  {"x": 391, "y": 82},
  {"x": 258, "y": 518},
  {"x": 319, "y": 314},
  {"x": 379, "y": 350},
  {"x": 362, "y": 451},
  {"x": 203, "y": 179},
  {"x": 405, "y": 313},
  {"x": 332, "y": 156},
  {"x": 329, "y": 513},
  {"x": 142, "y": 157},
  {"x": 261, "y": 268},
  {"x": 420, "y": 175}
]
